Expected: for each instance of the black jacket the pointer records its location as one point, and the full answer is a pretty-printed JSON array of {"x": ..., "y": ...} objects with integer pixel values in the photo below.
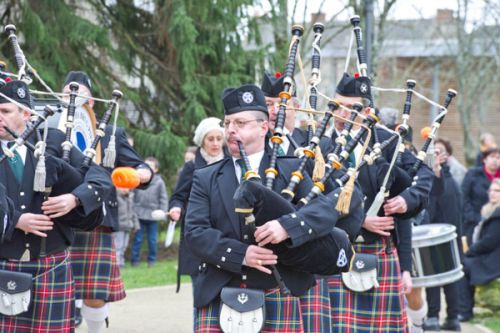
[
  {"x": 216, "y": 234},
  {"x": 445, "y": 201},
  {"x": 90, "y": 188},
  {"x": 187, "y": 262},
  {"x": 415, "y": 194},
  {"x": 126, "y": 156},
  {"x": 475, "y": 194},
  {"x": 482, "y": 260}
]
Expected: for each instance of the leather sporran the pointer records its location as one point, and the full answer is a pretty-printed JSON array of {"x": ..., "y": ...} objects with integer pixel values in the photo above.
[
  {"x": 15, "y": 292},
  {"x": 242, "y": 310},
  {"x": 362, "y": 275}
]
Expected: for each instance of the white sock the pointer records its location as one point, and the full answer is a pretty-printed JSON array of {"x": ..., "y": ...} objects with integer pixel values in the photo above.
[
  {"x": 417, "y": 316},
  {"x": 79, "y": 303},
  {"x": 94, "y": 317}
]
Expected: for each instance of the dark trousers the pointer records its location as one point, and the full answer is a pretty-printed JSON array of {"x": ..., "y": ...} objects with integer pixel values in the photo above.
[
  {"x": 451, "y": 293},
  {"x": 150, "y": 228}
]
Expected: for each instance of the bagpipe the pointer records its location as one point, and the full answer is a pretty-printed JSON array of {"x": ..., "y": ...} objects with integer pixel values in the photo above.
[
  {"x": 260, "y": 204},
  {"x": 75, "y": 117},
  {"x": 328, "y": 254}
]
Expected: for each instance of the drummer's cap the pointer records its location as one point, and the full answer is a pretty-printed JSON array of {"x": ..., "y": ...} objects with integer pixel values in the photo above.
[
  {"x": 78, "y": 77},
  {"x": 272, "y": 85},
  {"x": 16, "y": 90},
  {"x": 248, "y": 97},
  {"x": 354, "y": 86}
]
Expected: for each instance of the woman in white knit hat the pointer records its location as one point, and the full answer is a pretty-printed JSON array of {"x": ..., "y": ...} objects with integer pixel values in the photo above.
[{"x": 209, "y": 138}]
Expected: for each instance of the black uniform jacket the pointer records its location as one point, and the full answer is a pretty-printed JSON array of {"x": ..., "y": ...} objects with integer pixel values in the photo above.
[
  {"x": 217, "y": 235},
  {"x": 126, "y": 156},
  {"x": 482, "y": 260},
  {"x": 6, "y": 213},
  {"x": 90, "y": 188},
  {"x": 371, "y": 178}
]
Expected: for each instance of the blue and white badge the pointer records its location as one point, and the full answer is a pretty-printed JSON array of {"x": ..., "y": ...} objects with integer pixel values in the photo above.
[
  {"x": 363, "y": 88},
  {"x": 21, "y": 93},
  {"x": 247, "y": 97}
]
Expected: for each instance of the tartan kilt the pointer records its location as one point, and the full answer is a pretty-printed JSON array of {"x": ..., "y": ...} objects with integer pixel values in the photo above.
[
  {"x": 374, "y": 311},
  {"x": 95, "y": 269},
  {"x": 52, "y": 296},
  {"x": 316, "y": 308},
  {"x": 282, "y": 315}
]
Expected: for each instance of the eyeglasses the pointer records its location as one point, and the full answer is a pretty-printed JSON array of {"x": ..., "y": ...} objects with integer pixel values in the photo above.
[{"x": 238, "y": 123}]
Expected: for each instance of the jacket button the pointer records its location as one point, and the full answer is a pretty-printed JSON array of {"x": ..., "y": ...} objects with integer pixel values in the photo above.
[{"x": 21, "y": 194}]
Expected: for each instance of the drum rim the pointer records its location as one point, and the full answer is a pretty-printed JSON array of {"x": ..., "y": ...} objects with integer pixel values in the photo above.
[
  {"x": 438, "y": 280},
  {"x": 449, "y": 235}
]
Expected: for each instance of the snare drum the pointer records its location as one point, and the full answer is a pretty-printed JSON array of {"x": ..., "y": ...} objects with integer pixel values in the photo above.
[{"x": 436, "y": 260}]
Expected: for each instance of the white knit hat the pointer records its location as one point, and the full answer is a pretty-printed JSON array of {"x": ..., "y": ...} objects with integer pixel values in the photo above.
[{"x": 205, "y": 126}]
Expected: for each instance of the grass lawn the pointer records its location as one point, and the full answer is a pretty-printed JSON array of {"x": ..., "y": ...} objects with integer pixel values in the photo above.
[
  {"x": 162, "y": 273},
  {"x": 492, "y": 323}
]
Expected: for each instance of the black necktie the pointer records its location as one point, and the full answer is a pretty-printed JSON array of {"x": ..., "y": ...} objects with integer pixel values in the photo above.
[
  {"x": 281, "y": 152},
  {"x": 16, "y": 163},
  {"x": 351, "y": 161}
]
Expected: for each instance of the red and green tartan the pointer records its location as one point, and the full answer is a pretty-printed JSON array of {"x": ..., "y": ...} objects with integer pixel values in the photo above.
[
  {"x": 52, "y": 296},
  {"x": 282, "y": 315},
  {"x": 379, "y": 310},
  {"x": 95, "y": 269},
  {"x": 316, "y": 308}
]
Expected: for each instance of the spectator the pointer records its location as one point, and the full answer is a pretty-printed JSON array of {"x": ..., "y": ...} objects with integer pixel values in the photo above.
[
  {"x": 190, "y": 154},
  {"x": 475, "y": 189},
  {"x": 481, "y": 260},
  {"x": 456, "y": 168},
  {"x": 444, "y": 207},
  {"x": 128, "y": 221},
  {"x": 486, "y": 142},
  {"x": 209, "y": 138},
  {"x": 146, "y": 201}
]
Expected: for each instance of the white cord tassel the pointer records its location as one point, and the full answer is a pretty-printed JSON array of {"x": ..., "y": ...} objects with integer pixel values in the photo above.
[
  {"x": 110, "y": 153},
  {"x": 40, "y": 172}
]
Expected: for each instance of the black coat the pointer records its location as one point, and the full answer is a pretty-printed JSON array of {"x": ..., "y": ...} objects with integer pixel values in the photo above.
[
  {"x": 475, "y": 194},
  {"x": 482, "y": 260},
  {"x": 216, "y": 234},
  {"x": 187, "y": 262},
  {"x": 90, "y": 189},
  {"x": 445, "y": 201},
  {"x": 126, "y": 156}
]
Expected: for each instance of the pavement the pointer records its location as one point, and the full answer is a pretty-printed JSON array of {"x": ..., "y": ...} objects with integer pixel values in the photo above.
[{"x": 161, "y": 310}]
